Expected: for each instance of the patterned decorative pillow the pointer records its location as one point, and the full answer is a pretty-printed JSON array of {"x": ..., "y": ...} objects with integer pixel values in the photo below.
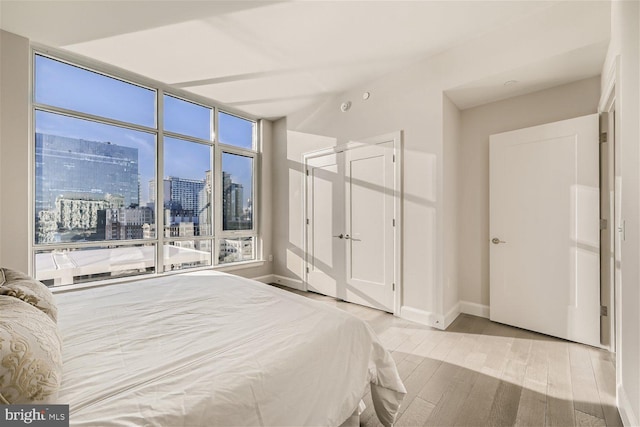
[
  {"x": 19, "y": 285},
  {"x": 30, "y": 354}
]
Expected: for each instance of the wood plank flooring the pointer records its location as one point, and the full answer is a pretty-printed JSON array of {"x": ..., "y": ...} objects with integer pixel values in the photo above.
[{"x": 481, "y": 373}]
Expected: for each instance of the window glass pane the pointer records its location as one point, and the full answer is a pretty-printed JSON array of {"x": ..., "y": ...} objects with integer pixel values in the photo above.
[
  {"x": 87, "y": 179},
  {"x": 187, "y": 188},
  {"x": 74, "y": 88},
  {"x": 187, "y": 254},
  {"x": 237, "y": 195},
  {"x": 78, "y": 265},
  {"x": 236, "y": 249},
  {"x": 187, "y": 118},
  {"x": 233, "y": 130}
]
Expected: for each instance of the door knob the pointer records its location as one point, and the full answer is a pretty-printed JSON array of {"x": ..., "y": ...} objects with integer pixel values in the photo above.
[
  {"x": 496, "y": 241},
  {"x": 340, "y": 236}
]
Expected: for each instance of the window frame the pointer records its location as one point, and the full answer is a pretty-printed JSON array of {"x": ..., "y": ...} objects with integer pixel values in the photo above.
[
  {"x": 212, "y": 120},
  {"x": 159, "y": 185},
  {"x": 255, "y": 200},
  {"x": 254, "y": 135},
  {"x": 86, "y": 65},
  {"x": 159, "y": 241},
  {"x": 104, "y": 121}
]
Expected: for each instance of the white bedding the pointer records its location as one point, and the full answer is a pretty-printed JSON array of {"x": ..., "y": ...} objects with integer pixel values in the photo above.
[{"x": 207, "y": 349}]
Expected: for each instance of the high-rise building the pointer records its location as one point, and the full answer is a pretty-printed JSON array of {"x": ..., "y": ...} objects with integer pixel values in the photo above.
[
  {"x": 166, "y": 191},
  {"x": 125, "y": 223},
  {"x": 205, "y": 205},
  {"x": 185, "y": 203},
  {"x": 183, "y": 194},
  {"x": 78, "y": 169},
  {"x": 233, "y": 204},
  {"x": 180, "y": 195}
]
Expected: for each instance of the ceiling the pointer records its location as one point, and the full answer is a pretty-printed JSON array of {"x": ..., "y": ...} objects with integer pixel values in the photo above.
[{"x": 272, "y": 58}]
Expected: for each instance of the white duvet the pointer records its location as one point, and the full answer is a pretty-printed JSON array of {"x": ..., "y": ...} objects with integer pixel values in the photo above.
[{"x": 211, "y": 349}]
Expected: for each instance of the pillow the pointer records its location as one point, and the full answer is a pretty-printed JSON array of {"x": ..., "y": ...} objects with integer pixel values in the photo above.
[
  {"x": 30, "y": 354},
  {"x": 19, "y": 285}
]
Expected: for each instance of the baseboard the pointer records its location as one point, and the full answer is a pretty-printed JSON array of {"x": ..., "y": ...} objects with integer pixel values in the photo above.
[
  {"x": 281, "y": 280},
  {"x": 423, "y": 317},
  {"x": 624, "y": 407},
  {"x": 288, "y": 282},
  {"x": 264, "y": 279},
  {"x": 474, "y": 309},
  {"x": 451, "y": 315}
]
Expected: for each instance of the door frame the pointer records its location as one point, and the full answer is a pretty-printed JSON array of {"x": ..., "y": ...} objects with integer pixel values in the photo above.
[
  {"x": 397, "y": 139},
  {"x": 608, "y": 104},
  {"x": 608, "y": 235}
]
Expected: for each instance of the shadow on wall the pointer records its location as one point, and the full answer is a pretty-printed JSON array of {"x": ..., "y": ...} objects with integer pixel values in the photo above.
[{"x": 297, "y": 145}]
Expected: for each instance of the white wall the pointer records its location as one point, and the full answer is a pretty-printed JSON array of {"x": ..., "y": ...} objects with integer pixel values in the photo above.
[
  {"x": 280, "y": 198},
  {"x": 410, "y": 100},
  {"x": 15, "y": 179},
  {"x": 289, "y": 191},
  {"x": 452, "y": 126},
  {"x": 16, "y": 158},
  {"x": 625, "y": 47},
  {"x": 404, "y": 102},
  {"x": 559, "y": 103}
]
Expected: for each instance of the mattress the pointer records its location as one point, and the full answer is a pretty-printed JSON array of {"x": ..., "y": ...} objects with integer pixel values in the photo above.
[{"x": 207, "y": 348}]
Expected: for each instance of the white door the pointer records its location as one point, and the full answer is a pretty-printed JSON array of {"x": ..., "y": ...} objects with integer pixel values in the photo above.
[
  {"x": 544, "y": 225},
  {"x": 325, "y": 211},
  {"x": 369, "y": 228},
  {"x": 350, "y": 225}
]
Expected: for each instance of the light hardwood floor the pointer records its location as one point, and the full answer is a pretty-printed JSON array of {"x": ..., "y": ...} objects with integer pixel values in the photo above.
[{"x": 481, "y": 373}]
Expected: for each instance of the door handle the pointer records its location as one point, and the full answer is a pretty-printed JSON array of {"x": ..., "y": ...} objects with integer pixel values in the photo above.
[
  {"x": 340, "y": 236},
  {"x": 497, "y": 241}
]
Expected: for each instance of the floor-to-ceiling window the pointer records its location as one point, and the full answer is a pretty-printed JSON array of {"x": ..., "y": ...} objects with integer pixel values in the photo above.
[{"x": 131, "y": 178}]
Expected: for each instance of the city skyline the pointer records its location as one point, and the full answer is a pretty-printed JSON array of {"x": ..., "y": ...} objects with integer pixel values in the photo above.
[
  {"x": 183, "y": 159},
  {"x": 77, "y": 89},
  {"x": 82, "y": 187},
  {"x": 97, "y": 142}
]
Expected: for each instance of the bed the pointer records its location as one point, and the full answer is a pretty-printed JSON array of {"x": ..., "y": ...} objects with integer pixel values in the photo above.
[{"x": 207, "y": 348}]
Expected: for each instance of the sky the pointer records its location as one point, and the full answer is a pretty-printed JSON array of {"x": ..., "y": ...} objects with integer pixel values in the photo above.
[{"x": 73, "y": 88}]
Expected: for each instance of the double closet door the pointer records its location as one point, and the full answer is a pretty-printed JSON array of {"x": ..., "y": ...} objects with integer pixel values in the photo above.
[{"x": 350, "y": 225}]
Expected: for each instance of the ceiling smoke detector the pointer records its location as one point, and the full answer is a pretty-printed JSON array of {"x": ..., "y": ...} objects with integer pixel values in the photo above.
[{"x": 344, "y": 107}]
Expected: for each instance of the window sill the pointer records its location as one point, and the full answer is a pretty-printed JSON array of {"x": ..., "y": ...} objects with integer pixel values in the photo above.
[
  {"x": 223, "y": 268},
  {"x": 239, "y": 265}
]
